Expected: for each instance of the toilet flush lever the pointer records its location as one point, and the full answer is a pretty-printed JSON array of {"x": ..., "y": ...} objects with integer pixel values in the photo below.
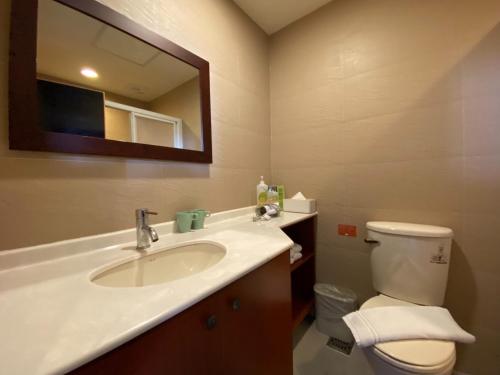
[{"x": 371, "y": 242}]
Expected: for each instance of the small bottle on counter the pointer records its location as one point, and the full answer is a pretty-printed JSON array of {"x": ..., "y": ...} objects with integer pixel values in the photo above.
[
  {"x": 281, "y": 196},
  {"x": 272, "y": 194},
  {"x": 261, "y": 192}
]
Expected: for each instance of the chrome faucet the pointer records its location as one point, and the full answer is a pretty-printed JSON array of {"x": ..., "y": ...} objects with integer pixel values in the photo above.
[{"x": 144, "y": 231}]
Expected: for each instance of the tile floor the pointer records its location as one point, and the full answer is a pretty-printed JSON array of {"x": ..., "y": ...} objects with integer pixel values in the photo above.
[{"x": 312, "y": 356}]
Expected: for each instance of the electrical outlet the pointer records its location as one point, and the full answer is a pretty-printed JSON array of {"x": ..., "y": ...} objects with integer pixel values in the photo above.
[{"x": 347, "y": 230}]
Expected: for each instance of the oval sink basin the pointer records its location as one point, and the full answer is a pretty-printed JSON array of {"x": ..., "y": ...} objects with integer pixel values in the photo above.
[{"x": 163, "y": 266}]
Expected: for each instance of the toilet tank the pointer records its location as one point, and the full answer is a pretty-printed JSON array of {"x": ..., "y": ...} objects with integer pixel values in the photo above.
[{"x": 410, "y": 261}]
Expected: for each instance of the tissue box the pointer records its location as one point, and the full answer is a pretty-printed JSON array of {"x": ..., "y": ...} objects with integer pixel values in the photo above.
[{"x": 303, "y": 206}]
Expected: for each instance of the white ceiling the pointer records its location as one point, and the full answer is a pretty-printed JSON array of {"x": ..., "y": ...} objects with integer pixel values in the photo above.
[
  {"x": 69, "y": 40},
  {"x": 273, "y": 15}
]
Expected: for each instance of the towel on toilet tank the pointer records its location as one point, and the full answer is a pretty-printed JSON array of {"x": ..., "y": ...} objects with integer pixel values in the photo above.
[{"x": 393, "y": 323}]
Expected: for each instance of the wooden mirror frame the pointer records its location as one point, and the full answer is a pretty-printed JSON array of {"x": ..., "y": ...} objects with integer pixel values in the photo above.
[{"x": 24, "y": 130}]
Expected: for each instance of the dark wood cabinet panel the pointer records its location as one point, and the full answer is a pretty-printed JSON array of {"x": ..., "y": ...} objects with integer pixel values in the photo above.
[
  {"x": 182, "y": 345},
  {"x": 257, "y": 325},
  {"x": 251, "y": 333}
]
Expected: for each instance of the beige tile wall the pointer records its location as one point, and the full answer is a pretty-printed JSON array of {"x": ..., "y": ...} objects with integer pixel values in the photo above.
[
  {"x": 184, "y": 102},
  {"x": 383, "y": 110},
  {"x": 46, "y": 197},
  {"x": 390, "y": 110}
]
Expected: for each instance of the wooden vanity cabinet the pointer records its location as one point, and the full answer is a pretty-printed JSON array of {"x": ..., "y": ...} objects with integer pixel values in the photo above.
[
  {"x": 244, "y": 328},
  {"x": 257, "y": 328}
]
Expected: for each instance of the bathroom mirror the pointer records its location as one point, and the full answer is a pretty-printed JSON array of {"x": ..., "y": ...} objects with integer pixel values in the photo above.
[{"x": 86, "y": 79}]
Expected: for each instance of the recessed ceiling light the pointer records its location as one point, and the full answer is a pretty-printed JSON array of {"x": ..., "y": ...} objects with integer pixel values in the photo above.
[{"x": 89, "y": 73}]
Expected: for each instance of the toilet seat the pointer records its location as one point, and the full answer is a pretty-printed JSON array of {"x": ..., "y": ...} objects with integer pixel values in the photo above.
[{"x": 414, "y": 356}]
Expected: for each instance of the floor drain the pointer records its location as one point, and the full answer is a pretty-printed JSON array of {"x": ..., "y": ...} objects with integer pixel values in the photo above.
[{"x": 339, "y": 345}]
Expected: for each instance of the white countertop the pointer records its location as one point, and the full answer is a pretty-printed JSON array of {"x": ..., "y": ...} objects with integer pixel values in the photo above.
[{"x": 53, "y": 318}]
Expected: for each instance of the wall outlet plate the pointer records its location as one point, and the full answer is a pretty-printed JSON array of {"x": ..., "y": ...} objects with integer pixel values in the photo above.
[{"x": 347, "y": 230}]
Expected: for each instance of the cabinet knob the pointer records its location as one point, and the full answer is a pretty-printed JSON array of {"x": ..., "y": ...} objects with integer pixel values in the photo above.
[
  {"x": 236, "y": 304},
  {"x": 211, "y": 322}
]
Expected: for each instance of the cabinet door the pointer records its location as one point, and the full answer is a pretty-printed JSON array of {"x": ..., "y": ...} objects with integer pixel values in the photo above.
[
  {"x": 257, "y": 321},
  {"x": 183, "y": 345}
]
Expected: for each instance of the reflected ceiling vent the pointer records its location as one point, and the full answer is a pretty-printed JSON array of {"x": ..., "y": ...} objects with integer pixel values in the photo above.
[
  {"x": 124, "y": 46},
  {"x": 137, "y": 90}
]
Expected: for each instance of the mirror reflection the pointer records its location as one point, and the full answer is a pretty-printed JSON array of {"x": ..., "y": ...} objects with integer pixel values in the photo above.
[{"x": 95, "y": 80}]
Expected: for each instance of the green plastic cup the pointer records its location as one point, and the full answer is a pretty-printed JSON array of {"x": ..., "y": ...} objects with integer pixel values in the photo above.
[
  {"x": 184, "y": 220},
  {"x": 199, "y": 218}
]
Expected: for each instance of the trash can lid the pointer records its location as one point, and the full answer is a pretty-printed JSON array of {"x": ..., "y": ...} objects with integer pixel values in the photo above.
[{"x": 338, "y": 293}]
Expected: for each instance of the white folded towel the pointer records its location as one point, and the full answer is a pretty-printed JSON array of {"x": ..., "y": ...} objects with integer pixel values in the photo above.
[
  {"x": 393, "y": 323},
  {"x": 296, "y": 248},
  {"x": 294, "y": 257}
]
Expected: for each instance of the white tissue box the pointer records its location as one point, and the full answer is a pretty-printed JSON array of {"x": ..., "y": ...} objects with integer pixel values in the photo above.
[{"x": 303, "y": 206}]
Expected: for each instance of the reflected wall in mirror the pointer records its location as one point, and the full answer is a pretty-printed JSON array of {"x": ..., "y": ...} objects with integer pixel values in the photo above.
[
  {"x": 104, "y": 85},
  {"x": 129, "y": 91}
]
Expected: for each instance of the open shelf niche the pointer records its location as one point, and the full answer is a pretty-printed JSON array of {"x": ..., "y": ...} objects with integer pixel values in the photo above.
[{"x": 303, "y": 271}]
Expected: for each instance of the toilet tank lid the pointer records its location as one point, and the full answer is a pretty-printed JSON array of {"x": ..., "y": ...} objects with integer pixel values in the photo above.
[{"x": 409, "y": 229}]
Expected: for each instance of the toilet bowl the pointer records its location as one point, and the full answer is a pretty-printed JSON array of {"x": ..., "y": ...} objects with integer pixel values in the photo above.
[
  {"x": 409, "y": 264},
  {"x": 409, "y": 356}
]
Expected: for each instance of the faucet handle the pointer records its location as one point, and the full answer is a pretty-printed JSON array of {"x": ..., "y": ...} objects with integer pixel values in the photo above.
[{"x": 142, "y": 212}]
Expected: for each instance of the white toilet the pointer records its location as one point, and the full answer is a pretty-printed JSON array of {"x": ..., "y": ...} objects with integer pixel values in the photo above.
[{"x": 409, "y": 266}]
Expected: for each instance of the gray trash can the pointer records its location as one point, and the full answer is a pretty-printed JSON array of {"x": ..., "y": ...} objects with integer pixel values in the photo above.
[{"x": 332, "y": 303}]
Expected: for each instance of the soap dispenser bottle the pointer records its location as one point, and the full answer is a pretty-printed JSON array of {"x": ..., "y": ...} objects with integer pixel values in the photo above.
[{"x": 261, "y": 192}]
